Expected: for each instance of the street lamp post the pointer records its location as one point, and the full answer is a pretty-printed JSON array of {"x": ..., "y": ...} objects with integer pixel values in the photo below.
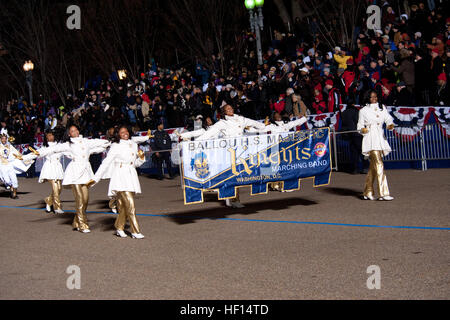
[
  {"x": 256, "y": 23},
  {"x": 28, "y": 68}
]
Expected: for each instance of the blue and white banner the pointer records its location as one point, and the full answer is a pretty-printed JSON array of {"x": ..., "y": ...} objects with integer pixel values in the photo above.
[{"x": 226, "y": 164}]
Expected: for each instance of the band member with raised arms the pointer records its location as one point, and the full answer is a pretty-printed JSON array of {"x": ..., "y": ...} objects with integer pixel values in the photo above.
[
  {"x": 11, "y": 164},
  {"x": 110, "y": 135},
  {"x": 375, "y": 146},
  {"x": 79, "y": 172},
  {"x": 232, "y": 125},
  {"x": 53, "y": 172},
  {"x": 124, "y": 156}
]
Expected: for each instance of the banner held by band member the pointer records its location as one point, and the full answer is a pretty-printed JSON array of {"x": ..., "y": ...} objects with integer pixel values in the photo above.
[{"x": 226, "y": 164}]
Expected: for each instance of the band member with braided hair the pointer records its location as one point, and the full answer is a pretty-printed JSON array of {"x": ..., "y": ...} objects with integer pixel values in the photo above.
[
  {"x": 124, "y": 156},
  {"x": 79, "y": 172},
  {"x": 374, "y": 145}
]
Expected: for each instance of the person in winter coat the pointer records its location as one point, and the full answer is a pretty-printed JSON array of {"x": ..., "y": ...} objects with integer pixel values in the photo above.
[
  {"x": 375, "y": 146},
  {"x": 406, "y": 70},
  {"x": 124, "y": 156}
]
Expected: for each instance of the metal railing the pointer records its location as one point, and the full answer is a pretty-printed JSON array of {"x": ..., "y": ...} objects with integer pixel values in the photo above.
[
  {"x": 411, "y": 143},
  {"x": 408, "y": 143}
]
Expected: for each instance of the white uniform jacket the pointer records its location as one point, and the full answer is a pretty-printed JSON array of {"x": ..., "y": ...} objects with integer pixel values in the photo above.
[
  {"x": 79, "y": 170},
  {"x": 123, "y": 159},
  {"x": 52, "y": 168},
  {"x": 230, "y": 127},
  {"x": 372, "y": 118}
]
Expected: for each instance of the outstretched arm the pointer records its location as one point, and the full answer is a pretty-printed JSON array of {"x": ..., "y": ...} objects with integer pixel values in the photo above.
[
  {"x": 105, "y": 164},
  {"x": 57, "y": 148},
  {"x": 142, "y": 139},
  {"x": 255, "y": 124},
  {"x": 295, "y": 123},
  {"x": 192, "y": 134},
  {"x": 98, "y": 143},
  {"x": 212, "y": 132}
]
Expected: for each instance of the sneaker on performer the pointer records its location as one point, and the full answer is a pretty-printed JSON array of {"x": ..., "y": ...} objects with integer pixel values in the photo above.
[{"x": 121, "y": 233}]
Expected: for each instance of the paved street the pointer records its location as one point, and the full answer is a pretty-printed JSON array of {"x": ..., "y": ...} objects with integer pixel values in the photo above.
[{"x": 316, "y": 243}]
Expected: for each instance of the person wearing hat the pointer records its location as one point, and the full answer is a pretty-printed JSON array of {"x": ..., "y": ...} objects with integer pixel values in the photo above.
[
  {"x": 402, "y": 96},
  {"x": 363, "y": 56},
  {"x": 388, "y": 16},
  {"x": 334, "y": 97},
  {"x": 423, "y": 78},
  {"x": 406, "y": 70},
  {"x": 161, "y": 145},
  {"x": 442, "y": 93},
  {"x": 375, "y": 145},
  {"x": 318, "y": 105},
  {"x": 437, "y": 64},
  {"x": 341, "y": 58}
]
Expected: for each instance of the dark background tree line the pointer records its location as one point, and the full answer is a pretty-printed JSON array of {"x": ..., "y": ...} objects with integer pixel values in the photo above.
[{"x": 127, "y": 34}]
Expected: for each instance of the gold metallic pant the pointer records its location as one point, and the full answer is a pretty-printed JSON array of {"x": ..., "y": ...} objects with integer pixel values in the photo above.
[
  {"x": 112, "y": 203},
  {"x": 81, "y": 194},
  {"x": 54, "y": 198},
  {"x": 127, "y": 210},
  {"x": 376, "y": 172}
]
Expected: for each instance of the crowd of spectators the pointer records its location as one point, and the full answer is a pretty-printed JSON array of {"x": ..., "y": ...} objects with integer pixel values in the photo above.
[{"x": 406, "y": 62}]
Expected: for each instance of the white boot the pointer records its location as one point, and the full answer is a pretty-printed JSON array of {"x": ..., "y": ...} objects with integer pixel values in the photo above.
[
  {"x": 369, "y": 198},
  {"x": 121, "y": 233},
  {"x": 59, "y": 211},
  {"x": 48, "y": 208},
  {"x": 228, "y": 202},
  {"x": 85, "y": 231},
  {"x": 114, "y": 210},
  {"x": 386, "y": 198},
  {"x": 137, "y": 235}
]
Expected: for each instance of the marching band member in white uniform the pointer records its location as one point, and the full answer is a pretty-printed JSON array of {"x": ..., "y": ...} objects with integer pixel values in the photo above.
[
  {"x": 79, "y": 172},
  {"x": 375, "y": 146},
  {"x": 108, "y": 173},
  {"x": 53, "y": 172},
  {"x": 124, "y": 156},
  {"x": 11, "y": 164},
  {"x": 232, "y": 125}
]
